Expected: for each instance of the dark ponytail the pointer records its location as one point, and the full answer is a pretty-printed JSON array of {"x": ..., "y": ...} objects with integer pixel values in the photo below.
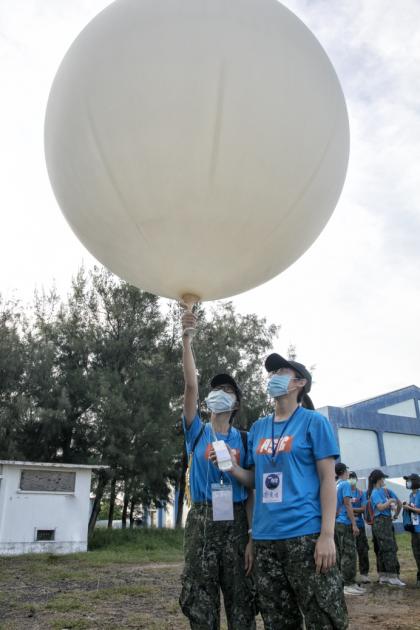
[
  {"x": 370, "y": 486},
  {"x": 306, "y": 401}
]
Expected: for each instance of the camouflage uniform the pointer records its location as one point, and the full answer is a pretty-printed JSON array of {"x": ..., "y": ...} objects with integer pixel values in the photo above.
[
  {"x": 362, "y": 547},
  {"x": 346, "y": 552},
  {"x": 214, "y": 560},
  {"x": 385, "y": 546},
  {"x": 289, "y": 588},
  {"x": 415, "y": 545}
]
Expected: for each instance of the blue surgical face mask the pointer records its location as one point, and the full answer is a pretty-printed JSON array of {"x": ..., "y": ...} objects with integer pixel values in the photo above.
[
  {"x": 278, "y": 385},
  {"x": 409, "y": 485},
  {"x": 219, "y": 401}
]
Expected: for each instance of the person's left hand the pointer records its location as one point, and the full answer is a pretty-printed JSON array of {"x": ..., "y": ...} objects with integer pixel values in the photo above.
[
  {"x": 249, "y": 557},
  {"x": 212, "y": 456},
  {"x": 325, "y": 553}
]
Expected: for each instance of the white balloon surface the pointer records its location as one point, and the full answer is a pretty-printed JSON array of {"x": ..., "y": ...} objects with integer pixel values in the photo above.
[{"x": 196, "y": 146}]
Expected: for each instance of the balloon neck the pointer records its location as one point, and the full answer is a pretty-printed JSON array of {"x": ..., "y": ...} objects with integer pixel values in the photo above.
[{"x": 189, "y": 300}]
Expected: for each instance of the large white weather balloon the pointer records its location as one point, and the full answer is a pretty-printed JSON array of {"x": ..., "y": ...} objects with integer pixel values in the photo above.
[{"x": 196, "y": 146}]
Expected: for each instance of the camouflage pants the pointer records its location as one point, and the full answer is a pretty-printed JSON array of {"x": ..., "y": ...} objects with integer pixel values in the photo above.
[
  {"x": 385, "y": 546},
  {"x": 214, "y": 560},
  {"x": 289, "y": 588},
  {"x": 415, "y": 545},
  {"x": 362, "y": 547},
  {"x": 346, "y": 552}
]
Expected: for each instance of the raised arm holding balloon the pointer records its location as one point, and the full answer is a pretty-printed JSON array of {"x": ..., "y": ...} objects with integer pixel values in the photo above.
[
  {"x": 189, "y": 322},
  {"x": 218, "y": 552}
]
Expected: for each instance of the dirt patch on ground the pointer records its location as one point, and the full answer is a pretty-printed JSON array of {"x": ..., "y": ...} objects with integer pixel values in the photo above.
[
  {"x": 385, "y": 608},
  {"x": 57, "y": 596}
]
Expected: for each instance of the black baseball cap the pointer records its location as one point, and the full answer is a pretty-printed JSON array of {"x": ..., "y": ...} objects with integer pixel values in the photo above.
[
  {"x": 226, "y": 379},
  {"x": 412, "y": 477},
  {"x": 377, "y": 474},
  {"x": 274, "y": 362},
  {"x": 352, "y": 475},
  {"x": 340, "y": 468}
]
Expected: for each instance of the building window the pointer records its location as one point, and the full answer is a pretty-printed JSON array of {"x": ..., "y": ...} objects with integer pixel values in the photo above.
[
  {"x": 359, "y": 448},
  {"x": 45, "y": 534},
  {"x": 401, "y": 448},
  {"x": 47, "y": 481},
  {"x": 405, "y": 409}
]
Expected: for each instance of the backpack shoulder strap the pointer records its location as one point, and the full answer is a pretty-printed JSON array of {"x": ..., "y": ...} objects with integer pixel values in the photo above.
[
  {"x": 244, "y": 438},
  {"x": 197, "y": 439}
]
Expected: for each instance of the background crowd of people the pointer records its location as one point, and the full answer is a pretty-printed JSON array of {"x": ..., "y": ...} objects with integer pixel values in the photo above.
[{"x": 379, "y": 507}]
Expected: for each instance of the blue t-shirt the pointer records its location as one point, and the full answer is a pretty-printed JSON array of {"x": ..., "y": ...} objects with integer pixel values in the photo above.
[
  {"x": 381, "y": 495},
  {"x": 203, "y": 472},
  {"x": 414, "y": 501},
  {"x": 298, "y": 444},
  {"x": 343, "y": 491},
  {"x": 359, "y": 500}
]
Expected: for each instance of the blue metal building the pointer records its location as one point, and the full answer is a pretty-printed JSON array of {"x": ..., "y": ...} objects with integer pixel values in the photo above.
[{"x": 381, "y": 432}]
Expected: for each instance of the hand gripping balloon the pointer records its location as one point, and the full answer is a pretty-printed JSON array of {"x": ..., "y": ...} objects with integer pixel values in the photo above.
[{"x": 196, "y": 146}]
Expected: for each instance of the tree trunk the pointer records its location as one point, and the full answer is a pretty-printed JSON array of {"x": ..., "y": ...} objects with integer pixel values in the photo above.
[
  {"x": 181, "y": 488},
  {"x": 96, "y": 508},
  {"x": 112, "y": 502},
  {"x": 132, "y": 508},
  {"x": 125, "y": 506}
]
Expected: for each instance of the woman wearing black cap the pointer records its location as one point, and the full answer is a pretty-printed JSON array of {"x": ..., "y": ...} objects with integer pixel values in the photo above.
[
  {"x": 413, "y": 507},
  {"x": 293, "y": 452},
  {"x": 359, "y": 501},
  {"x": 386, "y": 507},
  {"x": 217, "y": 545}
]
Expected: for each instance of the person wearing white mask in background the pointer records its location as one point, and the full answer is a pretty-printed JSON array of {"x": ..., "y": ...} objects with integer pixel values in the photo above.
[
  {"x": 346, "y": 532},
  {"x": 412, "y": 483},
  {"x": 217, "y": 543},
  {"x": 386, "y": 507},
  {"x": 358, "y": 501},
  {"x": 292, "y": 453}
]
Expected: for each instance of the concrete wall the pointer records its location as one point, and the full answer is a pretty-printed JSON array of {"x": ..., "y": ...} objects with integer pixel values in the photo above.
[{"x": 23, "y": 512}]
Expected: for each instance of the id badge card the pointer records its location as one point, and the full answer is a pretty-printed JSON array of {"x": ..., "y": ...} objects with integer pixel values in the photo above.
[
  {"x": 415, "y": 519},
  {"x": 222, "y": 499},
  {"x": 272, "y": 487}
]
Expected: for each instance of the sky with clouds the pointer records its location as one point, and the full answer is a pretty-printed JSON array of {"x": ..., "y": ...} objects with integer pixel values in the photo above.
[{"x": 351, "y": 304}]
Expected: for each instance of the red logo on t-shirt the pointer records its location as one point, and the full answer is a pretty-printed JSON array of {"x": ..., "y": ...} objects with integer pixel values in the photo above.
[
  {"x": 235, "y": 451},
  {"x": 281, "y": 445}
]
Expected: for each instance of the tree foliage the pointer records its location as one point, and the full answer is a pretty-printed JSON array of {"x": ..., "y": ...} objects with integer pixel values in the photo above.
[{"x": 97, "y": 378}]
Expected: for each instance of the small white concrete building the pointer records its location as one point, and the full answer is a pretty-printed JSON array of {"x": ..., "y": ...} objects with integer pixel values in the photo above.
[{"x": 44, "y": 507}]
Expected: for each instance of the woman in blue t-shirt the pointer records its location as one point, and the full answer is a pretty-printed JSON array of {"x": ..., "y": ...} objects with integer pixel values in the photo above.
[
  {"x": 413, "y": 507},
  {"x": 217, "y": 543},
  {"x": 292, "y": 453},
  {"x": 359, "y": 500},
  {"x": 386, "y": 507}
]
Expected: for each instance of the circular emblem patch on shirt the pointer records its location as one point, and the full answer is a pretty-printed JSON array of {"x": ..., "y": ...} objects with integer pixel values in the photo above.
[{"x": 272, "y": 481}]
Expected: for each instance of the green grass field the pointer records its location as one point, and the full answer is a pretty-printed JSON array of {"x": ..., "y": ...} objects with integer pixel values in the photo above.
[
  {"x": 131, "y": 579},
  {"x": 99, "y": 589}
]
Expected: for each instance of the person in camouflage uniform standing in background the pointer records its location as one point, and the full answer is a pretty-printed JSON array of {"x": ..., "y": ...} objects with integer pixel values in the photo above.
[
  {"x": 386, "y": 508},
  {"x": 413, "y": 506},
  {"x": 292, "y": 454},
  {"x": 217, "y": 547},
  {"x": 359, "y": 500},
  {"x": 345, "y": 532}
]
